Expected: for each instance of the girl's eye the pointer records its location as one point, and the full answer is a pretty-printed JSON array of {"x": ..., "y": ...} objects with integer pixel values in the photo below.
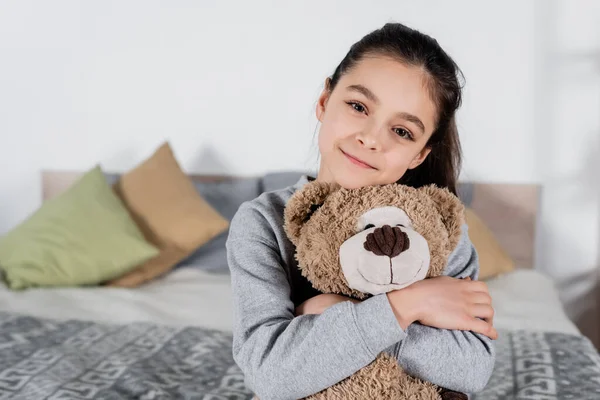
[
  {"x": 403, "y": 133},
  {"x": 400, "y": 225},
  {"x": 369, "y": 226},
  {"x": 357, "y": 106}
]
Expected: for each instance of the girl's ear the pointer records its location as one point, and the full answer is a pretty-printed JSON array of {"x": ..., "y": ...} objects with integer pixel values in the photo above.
[
  {"x": 303, "y": 204},
  {"x": 323, "y": 100},
  {"x": 451, "y": 209},
  {"x": 420, "y": 158}
]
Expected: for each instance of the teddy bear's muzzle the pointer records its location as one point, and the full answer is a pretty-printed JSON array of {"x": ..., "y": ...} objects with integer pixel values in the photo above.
[{"x": 380, "y": 259}]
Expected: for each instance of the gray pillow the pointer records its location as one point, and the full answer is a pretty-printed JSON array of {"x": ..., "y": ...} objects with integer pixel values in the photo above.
[
  {"x": 226, "y": 197},
  {"x": 279, "y": 180},
  {"x": 111, "y": 178}
]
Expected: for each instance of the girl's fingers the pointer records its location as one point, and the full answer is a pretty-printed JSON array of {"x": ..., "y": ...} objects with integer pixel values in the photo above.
[
  {"x": 483, "y": 311},
  {"x": 479, "y": 286},
  {"x": 480, "y": 298},
  {"x": 484, "y": 328}
]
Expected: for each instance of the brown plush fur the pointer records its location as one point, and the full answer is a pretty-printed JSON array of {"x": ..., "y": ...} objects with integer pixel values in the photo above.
[
  {"x": 435, "y": 213},
  {"x": 382, "y": 379},
  {"x": 318, "y": 234}
]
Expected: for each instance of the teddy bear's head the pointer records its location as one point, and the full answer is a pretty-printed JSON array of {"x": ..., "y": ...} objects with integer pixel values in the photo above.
[{"x": 371, "y": 240}]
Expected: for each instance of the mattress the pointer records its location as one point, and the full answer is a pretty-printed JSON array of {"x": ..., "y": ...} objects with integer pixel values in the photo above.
[
  {"x": 518, "y": 306},
  {"x": 186, "y": 296},
  {"x": 194, "y": 297}
]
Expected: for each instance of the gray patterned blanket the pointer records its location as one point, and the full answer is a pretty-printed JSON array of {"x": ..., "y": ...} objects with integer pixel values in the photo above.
[
  {"x": 543, "y": 366},
  {"x": 46, "y": 359}
]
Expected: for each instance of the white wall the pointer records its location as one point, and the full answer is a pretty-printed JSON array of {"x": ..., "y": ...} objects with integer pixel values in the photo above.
[
  {"x": 568, "y": 147},
  {"x": 233, "y": 86}
]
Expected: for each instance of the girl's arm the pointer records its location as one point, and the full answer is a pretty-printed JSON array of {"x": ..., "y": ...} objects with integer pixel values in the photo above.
[
  {"x": 451, "y": 347},
  {"x": 455, "y": 359},
  {"x": 288, "y": 357}
]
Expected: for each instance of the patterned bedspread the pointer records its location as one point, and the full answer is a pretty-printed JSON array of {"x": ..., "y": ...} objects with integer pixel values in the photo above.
[
  {"x": 543, "y": 366},
  {"x": 46, "y": 359}
]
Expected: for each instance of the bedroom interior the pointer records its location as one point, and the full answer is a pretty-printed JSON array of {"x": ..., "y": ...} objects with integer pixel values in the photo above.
[{"x": 132, "y": 138}]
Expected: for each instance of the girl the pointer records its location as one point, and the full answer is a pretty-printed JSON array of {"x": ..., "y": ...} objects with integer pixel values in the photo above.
[{"x": 387, "y": 115}]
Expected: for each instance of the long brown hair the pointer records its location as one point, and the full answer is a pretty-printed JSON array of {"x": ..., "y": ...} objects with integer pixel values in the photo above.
[{"x": 411, "y": 47}]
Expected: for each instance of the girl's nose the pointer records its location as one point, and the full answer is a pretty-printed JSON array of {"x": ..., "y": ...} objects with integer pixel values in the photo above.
[{"x": 369, "y": 138}]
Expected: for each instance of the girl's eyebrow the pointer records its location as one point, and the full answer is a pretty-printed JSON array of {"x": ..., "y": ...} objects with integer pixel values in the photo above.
[
  {"x": 414, "y": 119},
  {"x": 365, "y": 92},
  {"x": 371, "y": 96}
]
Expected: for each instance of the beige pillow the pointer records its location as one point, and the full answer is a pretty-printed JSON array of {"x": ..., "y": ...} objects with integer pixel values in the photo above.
[
  {"x": 169, "y": 211},
  {"x": 493, "y": 260}
]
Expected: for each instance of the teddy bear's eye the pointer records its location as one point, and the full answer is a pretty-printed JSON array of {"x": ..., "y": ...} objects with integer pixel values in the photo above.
[{"x": 369, "y": 226}]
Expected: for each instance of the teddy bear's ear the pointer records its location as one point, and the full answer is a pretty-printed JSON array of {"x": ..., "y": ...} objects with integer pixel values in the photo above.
[
  {"x": 303, "y": 204},
  {"x": 451, "y": 210}
]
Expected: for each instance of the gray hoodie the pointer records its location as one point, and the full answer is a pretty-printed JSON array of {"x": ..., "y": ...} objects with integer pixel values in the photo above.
[{"x": 288, "y": 357}]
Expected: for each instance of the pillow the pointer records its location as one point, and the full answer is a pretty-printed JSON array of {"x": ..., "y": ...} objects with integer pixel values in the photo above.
[
  {"x": 169, "y": 211},
  {"x": 81, "y": 237},
  {"x": 210, "y": 257},
  {"x": 493, "y": 260},
  {"x": 280, "y": 180},
  {"x": 228, "y": 195},
  {"x": 225, "y": 197}
]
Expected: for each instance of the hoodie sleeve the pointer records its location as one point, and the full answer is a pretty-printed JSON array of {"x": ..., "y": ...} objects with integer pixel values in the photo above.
[
  {"x": 457, "y": 360},
  {"x": 287, "y": 357}
]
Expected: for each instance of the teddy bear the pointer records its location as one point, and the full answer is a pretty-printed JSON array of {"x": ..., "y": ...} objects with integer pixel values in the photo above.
[{"x": 367, "y": 241}]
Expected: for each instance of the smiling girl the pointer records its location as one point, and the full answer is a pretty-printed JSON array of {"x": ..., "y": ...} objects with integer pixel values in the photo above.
[{"x": 387, "y": 115}]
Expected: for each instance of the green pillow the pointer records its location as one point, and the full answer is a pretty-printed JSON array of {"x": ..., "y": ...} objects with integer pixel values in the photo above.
[{"x": 82, "y": 237}]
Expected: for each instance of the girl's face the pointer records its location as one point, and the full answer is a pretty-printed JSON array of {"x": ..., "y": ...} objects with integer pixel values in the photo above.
[{"x": 375, "y": 124}]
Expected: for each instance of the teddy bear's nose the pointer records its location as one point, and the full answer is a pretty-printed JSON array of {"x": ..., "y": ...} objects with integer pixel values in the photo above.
[{"x": 387, "y": 241}]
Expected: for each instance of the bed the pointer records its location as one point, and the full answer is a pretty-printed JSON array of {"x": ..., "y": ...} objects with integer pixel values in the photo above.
[{"x": 171, "y": 338}]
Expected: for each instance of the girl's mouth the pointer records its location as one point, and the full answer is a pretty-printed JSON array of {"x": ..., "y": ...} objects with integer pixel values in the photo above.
[{"x": 357, "y": 161}]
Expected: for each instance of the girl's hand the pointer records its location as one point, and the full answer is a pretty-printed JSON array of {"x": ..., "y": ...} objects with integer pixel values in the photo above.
[
  {"x": 320, "y": 303},
  {"x": 446, "y": 303}
]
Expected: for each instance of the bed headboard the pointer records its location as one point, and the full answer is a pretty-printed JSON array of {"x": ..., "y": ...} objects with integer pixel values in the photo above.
[{"x": 509, "y": 210}]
